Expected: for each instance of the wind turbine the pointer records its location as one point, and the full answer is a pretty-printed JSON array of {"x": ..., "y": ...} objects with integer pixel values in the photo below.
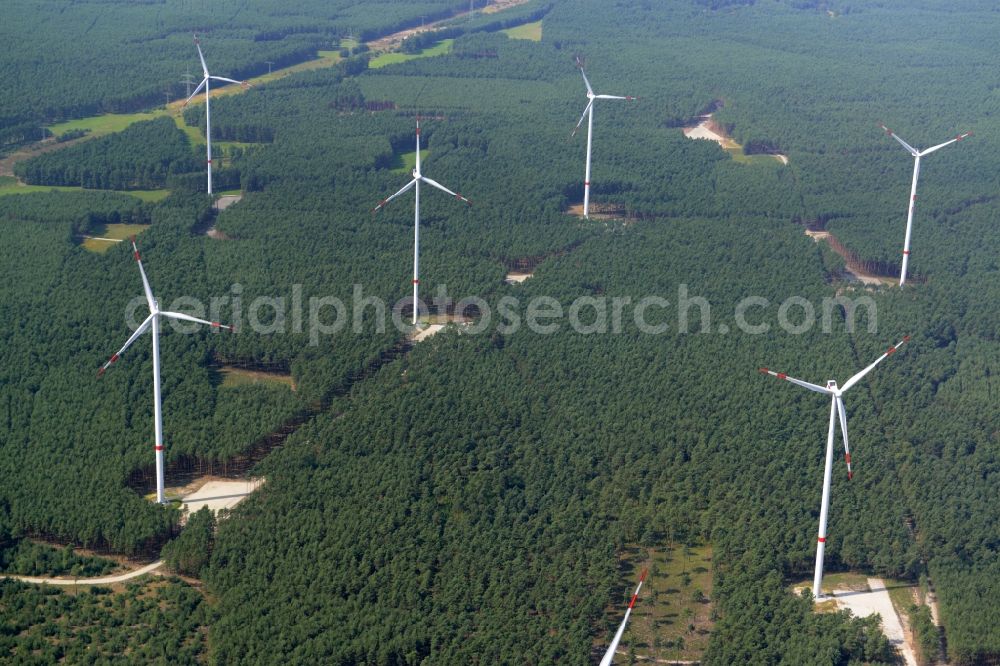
[
  {"x": 415, "y": 183},
  {"x": 153, "y": 322},
  {"x": 208, "y": 114},
  {"x": 588, "y": 113},
  {"x": 836, "y": 409},
  {"x": 609, "y": 656},
  {"x": 917, "y": 154}
]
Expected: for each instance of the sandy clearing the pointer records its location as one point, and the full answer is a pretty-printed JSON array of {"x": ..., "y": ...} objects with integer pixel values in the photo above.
[
  {"x": 227, "y": 200},
  {"x": 577, "y": 210},
  {"x": 704, "y": 130},
  {"x": 218, "y": 495},
  {"x": 103, "y": 580},
  {"x": 517, "y": 277},
  {"x": 876, "y": 600},
  {"x": 850, "y": 267},
  {"x": 427, "y": 332}
]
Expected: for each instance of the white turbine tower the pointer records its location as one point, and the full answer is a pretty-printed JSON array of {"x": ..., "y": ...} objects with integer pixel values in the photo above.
[
  {"x": 208, "y": 113},
  {"x": 609, "y": 656},
  {"x": 588, "y": 113},
  {"x": 153, "y": 322},
  {"x": 917, "y": 154},
  {"x": 836, "y": 408},
  {"x": 415, "y": 183}
]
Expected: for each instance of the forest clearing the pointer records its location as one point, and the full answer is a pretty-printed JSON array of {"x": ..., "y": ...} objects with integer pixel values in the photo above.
[
  {"x": 217, "y": 494},
  {"x": 674, "y": 615},
  {"x": 529, "y": 31},
  {"x": 708, "y": 129}
]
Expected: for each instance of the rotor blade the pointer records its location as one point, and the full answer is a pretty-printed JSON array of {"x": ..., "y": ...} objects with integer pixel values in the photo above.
[
  {"x": 843, "y": 431},
  {"x": 434, "y": 183},
  {"x": 857, "y": 378},
  {"x": 807, "y": 385},
  {"x": 609, "y": 656},
  {"x": 405, "y": 189},
  {"x": 585, "y": 81},
  {"x": 145, "y": 283},
  {"x": 185, "y": 317},
  {"x": 585, "y": 112},
  {"x": 629, "y": 98},
  {"x": 241, "y": 83},
  {"x": 196, "y": 91},
  {"x": 204, "y": 67},
  {"x": 913, "y": 151},
  {"x": 946, "y": 143},
  {"x": 135, "y": 336}
]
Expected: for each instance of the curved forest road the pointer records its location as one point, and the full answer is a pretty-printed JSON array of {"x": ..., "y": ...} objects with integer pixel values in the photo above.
[{"x": 102, "y": 580}]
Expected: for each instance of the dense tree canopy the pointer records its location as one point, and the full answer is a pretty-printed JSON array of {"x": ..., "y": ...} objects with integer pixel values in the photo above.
[{"x": 467, "y": 502}]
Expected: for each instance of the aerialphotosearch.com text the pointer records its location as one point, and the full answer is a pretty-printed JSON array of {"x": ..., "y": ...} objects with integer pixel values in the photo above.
[{"x": 320, "y": 317}]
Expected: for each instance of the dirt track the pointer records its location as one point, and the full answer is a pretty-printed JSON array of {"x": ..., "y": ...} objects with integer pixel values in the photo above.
[{"x": 102, "y": 580}]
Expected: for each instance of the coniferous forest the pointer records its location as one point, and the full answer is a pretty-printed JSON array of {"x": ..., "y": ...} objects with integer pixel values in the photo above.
[{"x": 477, "y": 497}]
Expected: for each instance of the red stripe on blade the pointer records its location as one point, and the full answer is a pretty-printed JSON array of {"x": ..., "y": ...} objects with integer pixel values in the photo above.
[{"x": 822, "y": 539}]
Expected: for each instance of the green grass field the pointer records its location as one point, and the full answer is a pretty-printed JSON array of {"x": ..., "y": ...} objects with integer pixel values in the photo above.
[
  {"x": 104, "y": 124},
  {"x": 672, "y": 619},
  {"x": 530, "y": 31},
  {"x": 240, "y": 377},
  {"x": 110, "y": 123},
  {"x": 405, "y": 162},
  {"x": 10, "y": 186},
  {"x": 115, "y": 233},
  {"x": 386, "y": 59}
]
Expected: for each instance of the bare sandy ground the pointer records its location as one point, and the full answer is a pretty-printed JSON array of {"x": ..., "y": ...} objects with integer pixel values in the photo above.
[
  {"x": 577, "y": 210},
  {"x": 220, "y": 494},
  {"x": 517, "y": 277},
  {"x": 876, "y": 600},
  {"x": 704, "y": 130},
  {"x": 426, "y": 332},
  {"x": 227, "y": 200}
]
